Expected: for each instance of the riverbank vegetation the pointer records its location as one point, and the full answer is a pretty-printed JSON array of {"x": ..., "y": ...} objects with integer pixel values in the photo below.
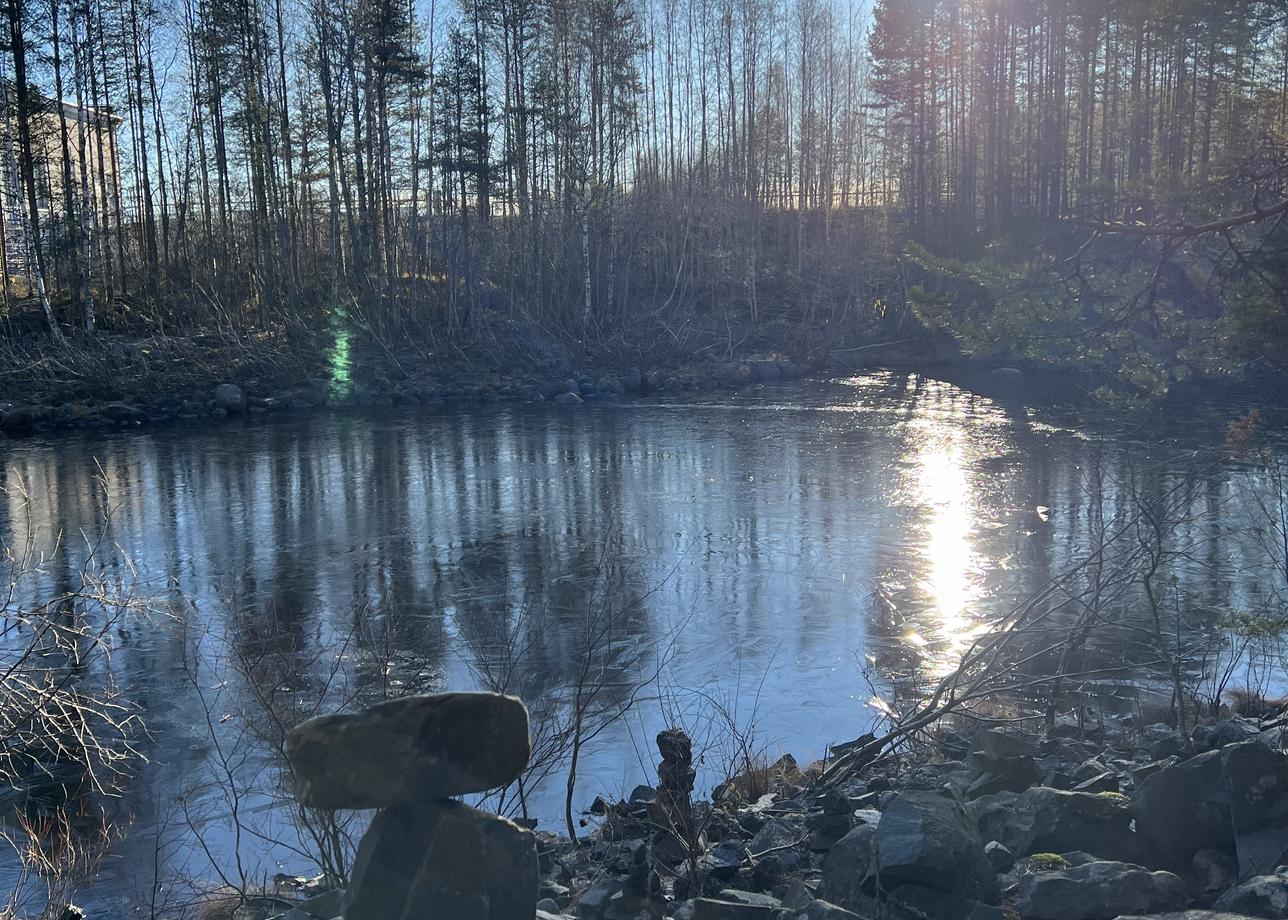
[{"x": 1097, "y": 186}]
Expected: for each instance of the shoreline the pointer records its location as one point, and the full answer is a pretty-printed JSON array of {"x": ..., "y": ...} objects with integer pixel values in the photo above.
[
  {"x": 116, "y": 383},
  {"x": 176, "y": 389}
]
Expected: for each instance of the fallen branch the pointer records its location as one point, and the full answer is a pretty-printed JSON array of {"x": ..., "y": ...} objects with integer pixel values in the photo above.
[{"x": 1185, "y": 231}]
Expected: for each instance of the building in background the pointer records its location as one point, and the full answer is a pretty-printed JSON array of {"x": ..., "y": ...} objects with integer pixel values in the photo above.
[{"x": 87, "y": 128}]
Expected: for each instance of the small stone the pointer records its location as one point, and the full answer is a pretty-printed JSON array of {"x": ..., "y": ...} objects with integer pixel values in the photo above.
[
  {"x": 409, "y": 749},
  {"x": 999, "y": 857},
  {"x": 123, "y": 413},
  {"x": 1101, "y": 782}
]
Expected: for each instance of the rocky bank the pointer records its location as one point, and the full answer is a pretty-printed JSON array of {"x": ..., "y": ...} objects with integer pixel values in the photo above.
[
  {"x": 1081, "y": 822},
  {"x": 152, "y": 402}
]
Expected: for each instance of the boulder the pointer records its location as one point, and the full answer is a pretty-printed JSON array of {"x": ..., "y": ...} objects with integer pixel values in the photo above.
[
  {"x": 22, "y": 420},
  {"x": 765, "y": 371},
  {"x": 230, "y": 397},
  {"x": 1257, "y": 780},
  {"x": 1046, "y": 820},
  {"x": 847, "y": 866},
  {"x": 410, "y": 749},
  {"x": 1260, "y": 896},
  {"x": 926, "y": 839},
  {"x": 445, "y": 860},
  {"x": 568, "y": 399},
  {"x": 1233, "y": 799},
  {"x": 1174, "y": 834},
  {"x": 1098, "y": 891}
]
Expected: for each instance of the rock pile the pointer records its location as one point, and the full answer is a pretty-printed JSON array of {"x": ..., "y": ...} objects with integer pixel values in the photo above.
[
  {"x": 425, "y": 855},
  {"x": 1084, "y": 823}
]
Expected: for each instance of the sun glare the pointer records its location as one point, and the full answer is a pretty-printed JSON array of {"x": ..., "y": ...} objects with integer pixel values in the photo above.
[{"x": 950, "y": 577}]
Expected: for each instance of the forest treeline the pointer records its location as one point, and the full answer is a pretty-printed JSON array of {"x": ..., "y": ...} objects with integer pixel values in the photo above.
[{"x": 1061, "y": 181}]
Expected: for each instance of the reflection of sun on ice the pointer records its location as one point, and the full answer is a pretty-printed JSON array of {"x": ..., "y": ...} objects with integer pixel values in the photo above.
[{"x": 950, "y": 578}]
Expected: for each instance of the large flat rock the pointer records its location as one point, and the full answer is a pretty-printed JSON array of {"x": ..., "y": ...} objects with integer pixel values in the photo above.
[{"x": 408, "y": 750}]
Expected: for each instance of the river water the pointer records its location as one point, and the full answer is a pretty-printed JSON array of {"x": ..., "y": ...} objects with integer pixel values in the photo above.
[{"x": 784, "y": 556}]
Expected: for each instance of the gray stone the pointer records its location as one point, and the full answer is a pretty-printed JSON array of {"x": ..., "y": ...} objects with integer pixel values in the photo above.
[
  {"x": 1175, "y": 833},
  {"x": 1098, "y": 891},
  {"x": 1233, "y": 799},
  {"x": 822, "y": 910},
  {"x": 847, "y": 866},
  {"x": 1002, "y": 774},
  {"x": 1046, "y": 820},
  {"x": 410, "y": 749},
  {"x": 568, "y": 399},
  {"x": 1101, "y": 782},
  {"x": 230, "y": 397},
  {"x": 1223, "y": 733},
  {"x": 444, "y": 860},
  {"x": 797, "y": 896},
  {"x": 778, "y": 834},
  {"x": 917, "y": 902},
  {"x": 735, "y": 905},
  {"x": 999, "y": 857},
  {"x": 1260, "y": 896},
  {"x": 596, "y": 900},
  {"x": 124, "y": 413},
  {"x": 927, "y": 839},
  {"x": 1188, "y": 915},
  {"x": 724, "y": 859},
  {"x": 1257, "y": 780},
  {"x": 324, "y": 906},
  {"x": 997, "y": 744},
  {"x": 1213, "y": 871}
]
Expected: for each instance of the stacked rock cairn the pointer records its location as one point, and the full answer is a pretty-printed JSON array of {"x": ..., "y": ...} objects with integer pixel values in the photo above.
[{"x": 425, "y": 855}]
